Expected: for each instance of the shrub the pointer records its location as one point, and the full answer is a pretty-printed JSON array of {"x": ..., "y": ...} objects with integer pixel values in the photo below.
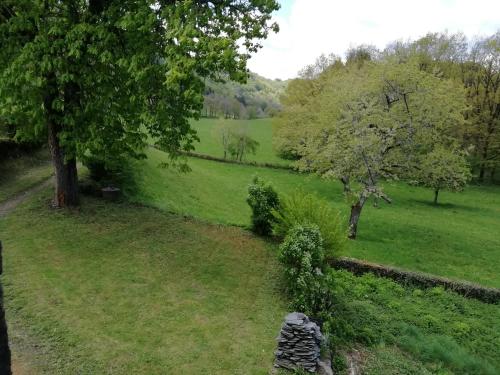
[
  {"x": 97, "y": 169},
  {"x": 108, "y": 171},
  {"x": 303, "y": 256},
  {"x": 301, "y": 208},
  {"x": 262, "y": 199}
]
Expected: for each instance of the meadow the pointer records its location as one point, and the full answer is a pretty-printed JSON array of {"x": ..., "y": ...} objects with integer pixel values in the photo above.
[
  {"x": 457, "y": 239},
  {"x": 178, "y": 287},
  {"x": 137, "y": 290},
  {"x": 260, "y": 129}
]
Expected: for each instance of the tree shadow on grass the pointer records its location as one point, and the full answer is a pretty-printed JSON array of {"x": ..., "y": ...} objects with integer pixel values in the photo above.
[{"x": 447, "y": 206}]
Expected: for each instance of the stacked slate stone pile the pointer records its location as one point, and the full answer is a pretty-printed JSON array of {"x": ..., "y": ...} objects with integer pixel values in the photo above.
[{"x": 298, "y": 343}]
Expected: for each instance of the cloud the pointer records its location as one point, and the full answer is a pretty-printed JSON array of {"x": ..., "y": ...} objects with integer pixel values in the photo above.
[{"x": 312, "y": 27}]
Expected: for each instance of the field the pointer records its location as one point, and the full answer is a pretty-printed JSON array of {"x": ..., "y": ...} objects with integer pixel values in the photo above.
[
  {"x": 179, "y": 288},
  {"x": 260, "y": 130},
  {"x": 136, "y": 290},
  {"x": 457, "y": 239}
]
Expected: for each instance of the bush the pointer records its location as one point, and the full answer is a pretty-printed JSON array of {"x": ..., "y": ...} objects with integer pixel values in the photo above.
[
  {"x": 97, "y": 169},
  {"x": 262, "y": 199},
  {"x": 303, "y": 256},
  {"x": 302, "y": 208},
  {"x": 106, "y": 172}
]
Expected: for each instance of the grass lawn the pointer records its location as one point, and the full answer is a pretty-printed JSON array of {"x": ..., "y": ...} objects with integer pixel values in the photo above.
[
  {"x": 457, "y": 239},
  {"x": 261, "y": 130},
  {"x": 19, "y": 174},
  {"x": 121, "y": 289}
]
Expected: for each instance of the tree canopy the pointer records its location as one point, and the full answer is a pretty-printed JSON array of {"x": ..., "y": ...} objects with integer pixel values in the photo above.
[
  {"x": 374, "y": 121},
  {"x": 476, "y": 65},
  {"x": 441, "y": 169},
  {"x": 98, "y": 76}
]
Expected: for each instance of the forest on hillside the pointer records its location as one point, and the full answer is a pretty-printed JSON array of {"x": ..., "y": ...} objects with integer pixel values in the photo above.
[{"x": 257, "y": 98}]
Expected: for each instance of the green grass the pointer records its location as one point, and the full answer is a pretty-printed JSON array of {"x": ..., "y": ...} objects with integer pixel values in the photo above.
[
  {"x": 457, "y": 239},
  {"x": 260, "y": 130},
  {"x": 122, "y": 289},
  {"x": 19, "y": 174},
  {"x": 413, "y": 331}
]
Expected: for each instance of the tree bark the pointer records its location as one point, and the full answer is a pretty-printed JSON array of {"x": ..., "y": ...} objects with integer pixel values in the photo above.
[
  {"x": 345, "y": 184},
  {"x": 436, "y": 193},
  {"x": 482, "y": 169},
  {"x": 66, "y": 174},
  {"x": 355, "y": 214},
  {"x": 484, "y": 155}
]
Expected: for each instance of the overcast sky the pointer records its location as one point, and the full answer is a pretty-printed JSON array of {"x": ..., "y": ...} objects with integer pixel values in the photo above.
[{"x": 312, "y": 27}]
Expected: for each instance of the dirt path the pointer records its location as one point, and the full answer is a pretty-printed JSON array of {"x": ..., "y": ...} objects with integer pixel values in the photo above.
[{"x": 11, "y": 203}]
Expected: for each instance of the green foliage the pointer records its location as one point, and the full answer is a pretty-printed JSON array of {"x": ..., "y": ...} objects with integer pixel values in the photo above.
[
  {"x": 261, "y": 130},
  {"x": 303, "y": 257},
  {"x": 339, "y": 363},
  {"x": 235, "y": 140},
  {"x": 468, "y": 250},
  {"x": 444, "y": 331},
  {"x": 262, "y": 199},
  {"x": 257, "y": 98},
  {"x": 367, "y": 132},
  {"x": 300, "y": 208},
  {"x": 440, "y": 169},
  {"x": 363, "y": 123},
  {"x": 241, "y": 144},
  {"x": 443, "y": 350},
  {"x": 475, "y": 65},
  {"x": 101, "y": 75}
]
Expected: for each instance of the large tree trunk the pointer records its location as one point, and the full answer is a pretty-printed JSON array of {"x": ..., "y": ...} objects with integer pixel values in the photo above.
[
  {"x": 436, "y": 193},
  {"x": 355, "y": 214},
  {"x": 66, "y": 175}
]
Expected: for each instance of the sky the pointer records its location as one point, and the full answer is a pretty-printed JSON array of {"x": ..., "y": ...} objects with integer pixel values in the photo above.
[{"x": 309, "y": 28}]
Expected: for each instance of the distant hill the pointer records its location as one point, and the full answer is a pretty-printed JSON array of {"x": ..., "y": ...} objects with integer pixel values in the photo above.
[{"x": 258, "y": 98}]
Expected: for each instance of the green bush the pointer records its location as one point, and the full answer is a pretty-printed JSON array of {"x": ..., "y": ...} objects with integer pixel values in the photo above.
[
  {"x": 262, "y": 199},
  {"x": 106, "y": 172},
  {"x": 303, "y": 257},
  {"x": 301, "y": 208},
  {"x": 97, "y": 169}
]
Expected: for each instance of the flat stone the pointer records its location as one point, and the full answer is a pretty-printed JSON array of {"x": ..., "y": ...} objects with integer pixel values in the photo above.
[{"x": 298, "y": 343}]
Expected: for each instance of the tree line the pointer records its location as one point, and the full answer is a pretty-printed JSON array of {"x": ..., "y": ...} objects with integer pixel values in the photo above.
[{"x": 258, "y": 97}]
